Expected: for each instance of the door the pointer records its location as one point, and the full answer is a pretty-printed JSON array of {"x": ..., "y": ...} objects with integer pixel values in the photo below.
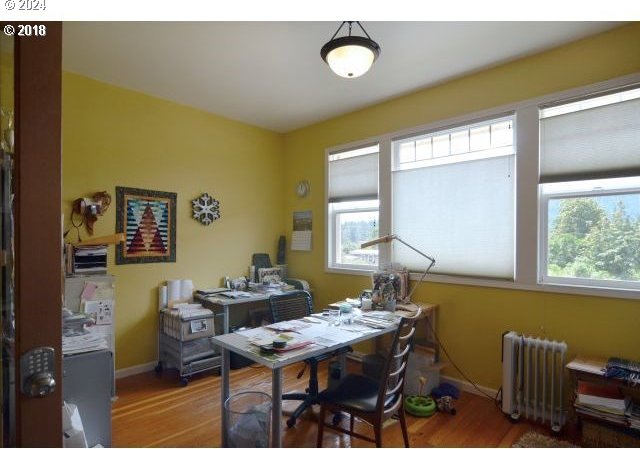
[{"x": 30, "y": 96}]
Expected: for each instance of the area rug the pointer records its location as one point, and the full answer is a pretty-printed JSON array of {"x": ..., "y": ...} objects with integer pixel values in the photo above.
[{"x": 535, "y": 439}]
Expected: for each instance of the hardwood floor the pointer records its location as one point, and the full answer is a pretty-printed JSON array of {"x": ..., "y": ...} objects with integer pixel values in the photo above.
[{"x": 154, "y": 411}]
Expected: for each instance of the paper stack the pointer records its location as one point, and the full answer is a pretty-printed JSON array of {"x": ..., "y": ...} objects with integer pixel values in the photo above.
[
  {"x": 83, "y": 343},
  {"x": 604, "y": 401},
  {"x": 90, "y": 259}
]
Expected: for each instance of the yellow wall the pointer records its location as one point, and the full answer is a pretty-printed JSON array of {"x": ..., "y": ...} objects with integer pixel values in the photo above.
[
  {"x": 472, "y": 319},
  {"x": 113, "y": 136},
  {"x": 117, "y": 137}
]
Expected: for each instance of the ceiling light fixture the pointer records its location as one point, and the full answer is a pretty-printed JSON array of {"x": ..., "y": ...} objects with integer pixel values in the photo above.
[{"x": 350, "y": 56}]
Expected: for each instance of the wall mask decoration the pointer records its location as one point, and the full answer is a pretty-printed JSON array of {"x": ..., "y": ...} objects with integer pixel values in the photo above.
[
  {"x": 205, "y": 209},
  {"x": 85, "y": 211},
  {"x": 148, "y": 219}
]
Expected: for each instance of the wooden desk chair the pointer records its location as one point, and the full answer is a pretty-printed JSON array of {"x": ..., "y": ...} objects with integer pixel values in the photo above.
[
  {"x": 372, "y": 400},
  {"x": 293, "y": 305}
]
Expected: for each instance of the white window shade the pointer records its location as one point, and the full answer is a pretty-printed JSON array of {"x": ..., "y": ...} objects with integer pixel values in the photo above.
[
  {"x": 601, "y": 142},
  {"x": 353, "y": 178},
  {"x": 461, "y": 214}
]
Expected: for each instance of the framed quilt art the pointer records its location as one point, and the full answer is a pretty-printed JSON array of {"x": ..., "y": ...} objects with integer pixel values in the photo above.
[{"x": 148, "y": 218}]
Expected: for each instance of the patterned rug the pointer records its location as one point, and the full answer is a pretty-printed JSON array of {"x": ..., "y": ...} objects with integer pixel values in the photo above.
[{"x": 535, "y": 439}]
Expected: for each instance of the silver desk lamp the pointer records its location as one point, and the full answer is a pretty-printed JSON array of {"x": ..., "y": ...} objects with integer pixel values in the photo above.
[{"x": 390, "y": 237}]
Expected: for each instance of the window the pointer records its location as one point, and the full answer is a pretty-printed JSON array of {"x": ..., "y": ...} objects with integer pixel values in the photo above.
[
  {"x": 590, "y": 191},
  {"x": 539, "y": 195},
  {"x": 353, "y": 207},
  {"x": 453, "y": 195}
]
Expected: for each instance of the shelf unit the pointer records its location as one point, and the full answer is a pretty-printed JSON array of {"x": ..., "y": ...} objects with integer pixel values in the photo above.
[
  {"x": 591, "y": 369},
  {"x": 73, "y": 287}
]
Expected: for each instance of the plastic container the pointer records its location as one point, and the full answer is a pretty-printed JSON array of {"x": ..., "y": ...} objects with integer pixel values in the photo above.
[
  {"x": 335, "y": 374},
  {"x": 372, "y": 365},
  {"x": 248, "y": 419}
]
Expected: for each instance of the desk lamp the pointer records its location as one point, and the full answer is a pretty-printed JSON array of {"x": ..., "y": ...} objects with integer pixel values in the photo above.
[{"x": 390, "y": 237}]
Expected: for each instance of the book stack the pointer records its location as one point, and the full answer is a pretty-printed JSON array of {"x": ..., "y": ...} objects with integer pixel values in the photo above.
[
  {"x": 89, "y": 259},
  {"x": 633, "y": 415},
  {"x": 604, "y": 401}
]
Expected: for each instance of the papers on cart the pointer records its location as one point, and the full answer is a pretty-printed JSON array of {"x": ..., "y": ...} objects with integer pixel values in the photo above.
[
  {"x": 83, "y": 343},
  {"x": 190, "y": 310}
]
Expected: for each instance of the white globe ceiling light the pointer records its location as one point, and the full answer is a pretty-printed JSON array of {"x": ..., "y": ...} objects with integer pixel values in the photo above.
[{"x": 350, "y": 56}]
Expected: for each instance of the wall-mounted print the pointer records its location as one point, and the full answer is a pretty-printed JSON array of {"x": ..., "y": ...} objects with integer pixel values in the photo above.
[{"x": 148, "y": 218}]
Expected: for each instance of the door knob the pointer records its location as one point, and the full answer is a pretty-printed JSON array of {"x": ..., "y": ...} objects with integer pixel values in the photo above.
[{"x": 39, "y": 385}]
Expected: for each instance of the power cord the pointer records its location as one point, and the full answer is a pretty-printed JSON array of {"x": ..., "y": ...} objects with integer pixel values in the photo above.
[
  {"x": 74, "y": 225},
  {"x": 453, "y": 363}
]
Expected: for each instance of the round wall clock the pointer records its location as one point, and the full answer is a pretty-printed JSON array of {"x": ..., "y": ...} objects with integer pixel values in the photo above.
[{"x": 302, "y": 189}]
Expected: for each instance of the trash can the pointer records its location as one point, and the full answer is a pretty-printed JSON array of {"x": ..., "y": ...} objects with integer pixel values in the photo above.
[{"x": 248, "y": 419}]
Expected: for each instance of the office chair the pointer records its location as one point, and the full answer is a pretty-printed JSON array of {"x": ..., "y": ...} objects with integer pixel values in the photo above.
[
  {"x": 293, "y": 305},
  {"x": 373, "y": 401}
]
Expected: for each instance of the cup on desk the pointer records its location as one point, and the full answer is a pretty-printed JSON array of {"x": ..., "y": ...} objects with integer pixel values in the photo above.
[
  {"x": 366, "y": 303},
  {"x": 334, "y": 317},
  {"x": 345, "y": 313}
]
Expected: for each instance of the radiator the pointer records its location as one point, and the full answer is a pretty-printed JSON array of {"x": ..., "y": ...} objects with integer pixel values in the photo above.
[{"x": 532, "y": 379}]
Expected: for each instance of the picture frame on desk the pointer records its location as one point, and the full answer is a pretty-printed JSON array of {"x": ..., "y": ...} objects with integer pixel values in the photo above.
[{"x": 148, "y": 219}]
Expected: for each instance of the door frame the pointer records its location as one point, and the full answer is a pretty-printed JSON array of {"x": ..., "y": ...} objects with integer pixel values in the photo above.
[{"x": 38, "y": 226}]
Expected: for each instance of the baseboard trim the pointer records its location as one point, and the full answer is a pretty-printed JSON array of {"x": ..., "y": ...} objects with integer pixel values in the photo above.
[
  {"x": 137, "y": 369},
  {"x": 355, "y": 355},
  {"x": 468, "y": 387}
]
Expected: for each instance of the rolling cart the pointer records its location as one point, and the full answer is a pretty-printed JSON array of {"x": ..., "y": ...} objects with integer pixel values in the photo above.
[{"x": 185, "y": 343}]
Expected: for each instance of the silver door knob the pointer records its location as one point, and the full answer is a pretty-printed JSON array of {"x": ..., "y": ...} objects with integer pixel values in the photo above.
[{"x": 40, "y": 385}]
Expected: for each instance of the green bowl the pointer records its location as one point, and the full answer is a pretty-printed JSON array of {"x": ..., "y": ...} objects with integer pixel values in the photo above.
[{"x": 420, "y": 405}]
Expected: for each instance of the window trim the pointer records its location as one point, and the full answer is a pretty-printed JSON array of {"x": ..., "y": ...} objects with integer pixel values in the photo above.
[
  {"x": 329, "y": 257},
  {"x": 527, "y": 212},
  {"x": 546, "y": 279},
  {"x": 337, "y": 242}
]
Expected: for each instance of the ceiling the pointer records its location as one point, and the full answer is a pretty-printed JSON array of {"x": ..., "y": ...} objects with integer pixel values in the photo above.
[{"x": 270, "y": 74}]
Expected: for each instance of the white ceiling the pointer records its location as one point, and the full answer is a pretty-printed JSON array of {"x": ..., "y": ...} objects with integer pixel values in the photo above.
[{"x": 270, "y": 74}]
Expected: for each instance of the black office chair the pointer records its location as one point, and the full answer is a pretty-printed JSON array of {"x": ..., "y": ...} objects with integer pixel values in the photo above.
[
  {"x": 373, "y": 401},
  {"x": 293, "y": 305}
]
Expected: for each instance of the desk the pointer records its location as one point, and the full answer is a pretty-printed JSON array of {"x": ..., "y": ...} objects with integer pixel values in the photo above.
[
  {"x": 221, "y": 301},
  {"x": 239, "y": 344}
]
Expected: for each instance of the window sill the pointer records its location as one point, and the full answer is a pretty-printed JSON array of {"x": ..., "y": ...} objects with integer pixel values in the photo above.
[
  {"x": 352, "y": 271},
  {"x": 605, "y": 292}
]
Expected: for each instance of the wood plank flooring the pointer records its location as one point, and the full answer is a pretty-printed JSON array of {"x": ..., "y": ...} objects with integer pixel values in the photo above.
[{"x": 155, "y": 411}]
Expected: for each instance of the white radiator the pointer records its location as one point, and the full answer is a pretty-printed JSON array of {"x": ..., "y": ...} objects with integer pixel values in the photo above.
[{"x": 532, "y": 378}]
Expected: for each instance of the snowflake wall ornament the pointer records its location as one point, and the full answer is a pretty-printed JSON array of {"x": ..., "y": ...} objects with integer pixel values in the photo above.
[{"x": 205, "y": 209}]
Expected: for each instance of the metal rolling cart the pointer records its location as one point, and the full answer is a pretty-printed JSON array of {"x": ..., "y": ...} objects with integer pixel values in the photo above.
[{"x": 185, "y": 343}]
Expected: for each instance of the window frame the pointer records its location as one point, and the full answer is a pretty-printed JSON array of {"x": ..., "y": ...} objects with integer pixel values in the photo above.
[
  {"x": 330, "y": 219},
  {"x": 473, "y": 156},
  {"x": 543, "y": 277},
  {"x": 335, "y": 219},
  {"x": 527, "y": 191}
]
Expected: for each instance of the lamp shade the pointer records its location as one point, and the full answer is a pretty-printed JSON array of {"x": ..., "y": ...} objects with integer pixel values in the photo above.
[{"x": 350, "y": 56}]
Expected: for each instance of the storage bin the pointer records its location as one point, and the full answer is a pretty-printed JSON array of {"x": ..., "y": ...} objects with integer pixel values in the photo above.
[
  {"x": 420, "y": 363},
  {"x": 190, "y": 328}
]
